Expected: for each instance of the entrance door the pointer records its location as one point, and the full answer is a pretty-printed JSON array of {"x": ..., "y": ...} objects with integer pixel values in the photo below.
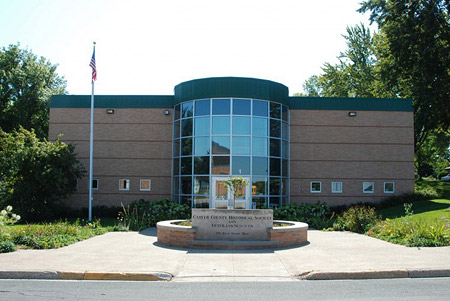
[{"x": 221, "y": 198}]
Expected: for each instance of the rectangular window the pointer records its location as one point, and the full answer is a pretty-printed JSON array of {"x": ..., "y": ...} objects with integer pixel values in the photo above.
[
  {"x": 368, "y": 187},
  {"x": 336, "y": 187},
  {"x": 94, "y": 184},
  {"x": 124, "y": 184},
  {"x": 316, "y": 187},
  {"x": 389, "y": 187},
  {"x": 145, "y": 185}
]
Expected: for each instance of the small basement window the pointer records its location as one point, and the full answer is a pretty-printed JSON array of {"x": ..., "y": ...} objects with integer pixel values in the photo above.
[
  {"x": 389, "y": 187},
  {"x": 368, "y": 187},
  {"x": 124, "y": 184},
  {"x": 336, "y": 187},
  {"x": 145, "y": 185},
  {"x": 316, "y": 187}
]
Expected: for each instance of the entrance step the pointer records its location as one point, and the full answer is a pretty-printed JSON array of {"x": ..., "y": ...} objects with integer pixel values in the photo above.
[{"x": 233, "y": 244}]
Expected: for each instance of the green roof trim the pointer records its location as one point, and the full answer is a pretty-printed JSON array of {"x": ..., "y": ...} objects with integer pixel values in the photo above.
[
  {"x": 243, "y": 87},
  {"x": 347, "y": 103},
  {"x": 112, "y": 101}
]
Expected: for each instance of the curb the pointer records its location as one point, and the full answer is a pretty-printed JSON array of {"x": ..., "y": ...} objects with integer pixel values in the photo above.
[
  {"x": 64, "y": 275},
  {"x": 419, "y": 273}
]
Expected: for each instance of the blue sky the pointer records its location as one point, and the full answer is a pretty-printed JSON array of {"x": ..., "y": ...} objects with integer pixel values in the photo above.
[{"x": 147, "y": 46}]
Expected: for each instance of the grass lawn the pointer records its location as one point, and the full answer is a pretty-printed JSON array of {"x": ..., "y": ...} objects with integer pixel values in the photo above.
[{"x": 431, "y": 209}]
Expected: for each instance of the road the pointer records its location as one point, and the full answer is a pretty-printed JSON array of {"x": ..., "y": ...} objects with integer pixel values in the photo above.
[{"x": 384, "y": 289}]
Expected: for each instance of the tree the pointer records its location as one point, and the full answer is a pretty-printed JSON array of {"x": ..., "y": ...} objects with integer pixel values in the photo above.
[
  {"x": 36, "y": 174},
  {"x": 236, "y": 186},
  {"x": 354, "y": 75},
  {"x": 414, "y": 59},
  {"x": 26, "y": 85}
]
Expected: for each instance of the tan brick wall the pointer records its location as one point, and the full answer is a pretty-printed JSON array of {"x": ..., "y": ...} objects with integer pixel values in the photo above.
[
  {"x": 130, "y": 144},
  {"x": 330, "y": 146}
]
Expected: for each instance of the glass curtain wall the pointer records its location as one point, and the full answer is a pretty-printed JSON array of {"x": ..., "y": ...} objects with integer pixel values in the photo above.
[{"x": 231, "y": 137}]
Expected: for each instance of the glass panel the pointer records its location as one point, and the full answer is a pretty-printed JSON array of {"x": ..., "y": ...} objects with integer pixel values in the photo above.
[
  {"x": 259, "y": 108},
  {"x": 177, "y": 112},
  {"x": 261, "y": 203},
  {"x": 186, "y": 127},
  {"x": 285, "y": 186},
  {"x": 220, "y": 165},
  {"x": 221, "y": 107},
  {"x": 187, "y": 109},
  {"x": 202, "y": 107},
  {"x": 241, "y": 126},
  {"x": 241, "y": 106},
  {"x": 186, "y": 146},
  {"x": 201, "y": 126},
  {"x": 241, "y": 145},
  {"x": 201, "y": 202},
  {"x": 221, "y": 125},
  {"x": 284, "y": 131},
  {"x": 285, "y": 113},
  {"x": 260, "y": 127},
  {"x": 221, "y": 145},
  {"x": 176, "y": 148},
  {"x": 275, "y": 186},
  {"x": 201, "y": 185},
  {"x": 176, "y": 166},
  {"x": 201, "y": 165},
  {"x": 259, "y": 186},
  {"x": 260, "y": 166},
  {"x": 221, "y": 191},
  {"x": 186, "y": 185},
  {"x": 284, "y": 201},
  {"x": 284, "y": 168},
  {"x": 241, "y": 165},
  {"x": 186, "y": 166},
  {"x": 275, "y": 202},
  {"x": 275, "y": 168},
  {"x": 176, "y": 188},
  {"x": 186, "y": 200},
  {"x": 368, "y": 187},
  {"x": 259, "y": 147},
  {"x": 275, "y": 110},
  {"x": 275, "y": 128},
  {"x": 176, "y": 130},
  {"x": 275, "y": 147},
  {"x": 201, "y": 146},
  {"x": 285, "y": 145}
]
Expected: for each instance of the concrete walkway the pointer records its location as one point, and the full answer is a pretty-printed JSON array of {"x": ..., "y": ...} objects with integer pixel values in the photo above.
[{"x": 137, "y": 256}]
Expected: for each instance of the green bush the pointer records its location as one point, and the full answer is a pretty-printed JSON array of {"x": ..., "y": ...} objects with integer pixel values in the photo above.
[
  {"x": 7, "y": 246},
  {"x": 143, "y": 214},
  {"x": 357, "y": 219},
  {"x": 413, "y": 232},
  {"x": 316, "y": 215}
]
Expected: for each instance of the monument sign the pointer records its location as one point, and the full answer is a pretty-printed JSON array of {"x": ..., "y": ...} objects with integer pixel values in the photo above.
[{"x": 222, "y": 224}]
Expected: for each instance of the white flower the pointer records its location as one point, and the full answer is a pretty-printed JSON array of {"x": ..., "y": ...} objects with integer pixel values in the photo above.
[
  {"x": 4, "y": 212},
  {"x": 9, "y": 208},
  {"x": 13, "y": 215},
  {"x": 17, "y": 217}
]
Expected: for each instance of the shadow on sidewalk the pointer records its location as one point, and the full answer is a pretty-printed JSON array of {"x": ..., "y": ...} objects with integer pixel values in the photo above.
[{"x": 149, "y": 232}]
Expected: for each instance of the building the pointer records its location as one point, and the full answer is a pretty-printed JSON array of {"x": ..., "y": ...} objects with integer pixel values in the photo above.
[{"x": 291, "y": 149}]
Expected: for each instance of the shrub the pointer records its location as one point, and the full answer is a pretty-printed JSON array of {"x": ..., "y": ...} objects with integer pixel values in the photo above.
[
  {"x": 7, "y": 246},
  {"x": 357, "y": 219},
  {"x": 143, "y": 214},
  {"x": 413, "y": 232},
  {"x": 316, "y": 215}
]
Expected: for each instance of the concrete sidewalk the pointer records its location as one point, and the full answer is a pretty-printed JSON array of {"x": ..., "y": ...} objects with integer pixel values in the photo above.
[{"x": 137, "y": 256}]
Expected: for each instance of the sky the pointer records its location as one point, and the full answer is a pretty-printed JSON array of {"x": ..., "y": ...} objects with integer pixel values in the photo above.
[{"x": 146, "y": 47}]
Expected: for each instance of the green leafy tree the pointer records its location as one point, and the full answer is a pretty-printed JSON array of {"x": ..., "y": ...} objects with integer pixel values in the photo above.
[
  {"x": 414, "y": 47},
  {"x": 36, "y": 174},
  {"x": 26, "y": 85}
]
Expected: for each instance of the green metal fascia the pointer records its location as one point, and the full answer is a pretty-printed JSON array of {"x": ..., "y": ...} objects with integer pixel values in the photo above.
[
  {"x": 231, "y": 87},
  {"x": 112, "y": 101},
  {"x": 348, "y": 103}
]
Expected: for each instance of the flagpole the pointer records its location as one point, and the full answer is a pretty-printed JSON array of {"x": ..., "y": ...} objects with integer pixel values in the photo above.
[{"x": 91, "y": 145}]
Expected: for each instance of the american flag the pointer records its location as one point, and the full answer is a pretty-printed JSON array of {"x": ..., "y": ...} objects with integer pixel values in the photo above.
[{"x": 94, "y": 69}]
